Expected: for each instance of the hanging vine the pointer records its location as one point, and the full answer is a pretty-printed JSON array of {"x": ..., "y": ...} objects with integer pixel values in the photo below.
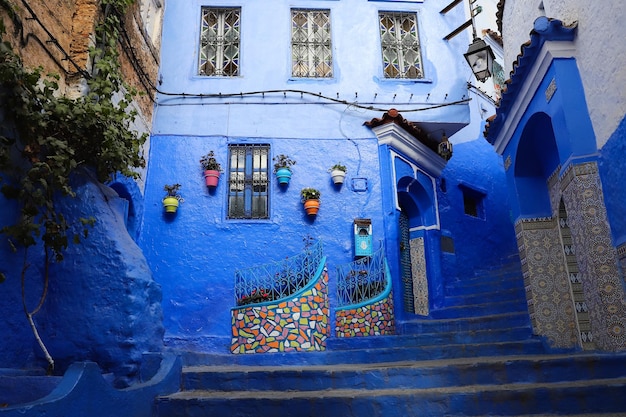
[{"x": 45, "y": 137}]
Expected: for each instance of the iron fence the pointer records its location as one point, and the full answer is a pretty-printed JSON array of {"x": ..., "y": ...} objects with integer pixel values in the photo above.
[
  {"x": 361, "y": 280},
  {"x": 277, "y": 280}
]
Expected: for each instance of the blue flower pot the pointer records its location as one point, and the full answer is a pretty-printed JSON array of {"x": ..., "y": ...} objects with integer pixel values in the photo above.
[{"x": 283, "y": 175}]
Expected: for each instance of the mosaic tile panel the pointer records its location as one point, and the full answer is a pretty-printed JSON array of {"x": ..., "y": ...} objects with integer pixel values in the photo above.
[
  {"x": 581, "y": 310},
  {"x": 574, "y": 289},
  {"x": 299, "y": 323},
  {"x": 546, "y": 282},
  {"x": 597, "y": 258},
  {"x": 375, "y": 319},
  {"x": 621, "y": 255},
  {"x": 420, "y": 280}
]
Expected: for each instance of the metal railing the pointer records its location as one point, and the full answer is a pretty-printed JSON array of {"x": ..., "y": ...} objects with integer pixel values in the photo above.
[
  {"x": 277, "y": 280},
  {"x": 361, "y": 280}
]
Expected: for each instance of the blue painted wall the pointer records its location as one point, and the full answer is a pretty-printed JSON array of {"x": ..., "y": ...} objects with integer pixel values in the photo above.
[
  {"x": 555, "y": 131},
  {"x": 613, "y": 178},
  {"x": 482, "y": 242},
  {"x": 102, "y": 304},
  {"x": 194, "y": 254},
  {"x": 189, "y": 259}
]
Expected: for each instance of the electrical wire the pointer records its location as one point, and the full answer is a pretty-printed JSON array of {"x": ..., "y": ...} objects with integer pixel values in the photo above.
[{"x": 368, "y": 106}]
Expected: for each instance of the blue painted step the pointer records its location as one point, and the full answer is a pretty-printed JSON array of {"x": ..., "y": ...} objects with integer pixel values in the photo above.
[
  {"x": 490, "y": 322},
  {"x": 409, "y": 374},
  {"x": 369, "y": 355},
  {"x": 477, "y": 310},
  {"x": 509, "y": 386},
  {"x": 437, "y": 338},
  {"x": 511, "y": 294},
  {"x": 593, "y": 397},
  {"x": 482, "y": 285}
]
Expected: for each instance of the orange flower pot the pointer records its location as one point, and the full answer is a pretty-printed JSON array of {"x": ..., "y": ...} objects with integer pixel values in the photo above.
[{"x": 311, "y": 207}]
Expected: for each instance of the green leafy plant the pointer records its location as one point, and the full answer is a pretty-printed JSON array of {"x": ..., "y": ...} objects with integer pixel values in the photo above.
[
  {"x": 209, "y": 163},
  {"x": 283, "y": 161},
  {"x": 46, "y": 137},
  {"x": 172, "y": 191},
  {"x": 338, "y": 167},
  {"x": 310, "y": 194}
]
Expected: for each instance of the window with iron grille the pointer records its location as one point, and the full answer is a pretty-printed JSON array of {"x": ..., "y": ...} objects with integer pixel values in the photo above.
[
  {"x": 400, "y": 45},
  {"x": 219, "y": 42},
  {"x": 248, "y": 184},
  {"x": 311, "y": 54}
]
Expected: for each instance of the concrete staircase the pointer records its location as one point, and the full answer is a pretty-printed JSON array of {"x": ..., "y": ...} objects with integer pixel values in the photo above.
[{"x": 474, "y": 357}]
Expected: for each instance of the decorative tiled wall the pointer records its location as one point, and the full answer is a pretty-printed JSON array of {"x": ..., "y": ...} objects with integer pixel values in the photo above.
[
  {"x": 544, "y": 264},
  {"x": 300, "y": 323},
  {"x": 375, "y": 319},
  {"x": 545, "y": 279},
  {"x": 621, "y": 255},
  {"x": 596, "y": 255},
  {"x": 420, "y": 279}
]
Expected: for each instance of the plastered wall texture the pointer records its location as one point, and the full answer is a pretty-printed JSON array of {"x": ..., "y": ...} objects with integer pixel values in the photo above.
[
  {"x": 599, "y": 50},
  {"x": 300, "y": 323},
  {"x": 102, "y": 305}
]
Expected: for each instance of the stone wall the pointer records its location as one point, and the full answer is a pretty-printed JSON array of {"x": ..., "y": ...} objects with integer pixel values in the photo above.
[{"x": 57, "y": 35}]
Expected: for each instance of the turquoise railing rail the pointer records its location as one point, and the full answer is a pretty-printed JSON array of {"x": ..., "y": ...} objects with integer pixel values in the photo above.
[
  {"x": 361, "y": 280},
  {"x": 277, "y": 280}
]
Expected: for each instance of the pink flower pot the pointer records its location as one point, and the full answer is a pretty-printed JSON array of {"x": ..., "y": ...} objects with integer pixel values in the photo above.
[{"x": 211, "y": 177}]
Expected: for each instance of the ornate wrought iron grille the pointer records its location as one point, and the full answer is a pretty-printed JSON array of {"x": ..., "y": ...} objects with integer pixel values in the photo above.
[
  {"x": 361, "y": 280},
  {"x": 277, "y": 280},
  {"x": 405, "y": 263},
  {"x": 400, "y": 45},
  {"x": 219, "y": 42},
  {"x": 311, "y": 54},
  {"x": 248, "y": 182}
]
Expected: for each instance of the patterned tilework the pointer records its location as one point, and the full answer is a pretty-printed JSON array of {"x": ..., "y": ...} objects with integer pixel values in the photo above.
[
  {"x": 596, "y": 256},
  {"x": 545, "y": 279},
  {"x": 371, "y": 320},
  {"x": 594, "y": 278},
  {"x": 420, "y": 280},
  {"x": 576, "y": 285},
  {"x": 295, "y": 324},
  {"x": 621, "y": 254}
]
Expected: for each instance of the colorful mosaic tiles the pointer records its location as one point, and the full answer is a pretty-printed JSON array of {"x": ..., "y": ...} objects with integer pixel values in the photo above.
[
  {"x": 371, "y": 320},
  {"x": 574, "y": 289},
  {"x": 299, "y": 323}
]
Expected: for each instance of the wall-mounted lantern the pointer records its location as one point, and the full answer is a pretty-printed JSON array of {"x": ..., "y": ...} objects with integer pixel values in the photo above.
[
  {"x": 445, "y": 148},
  {"x": 480, "y": 58}
]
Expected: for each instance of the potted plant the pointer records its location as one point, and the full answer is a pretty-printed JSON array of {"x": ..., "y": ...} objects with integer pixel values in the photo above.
[
  {"x": 172, "y": 198},
  {"x": 338, "y": 173},
  {"x": 282, "y": 168},
  {"x": 311, "y": 200},
  {"x": 212, "y": 169}
]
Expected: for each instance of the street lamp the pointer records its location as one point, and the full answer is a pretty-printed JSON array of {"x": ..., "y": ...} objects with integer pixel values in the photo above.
[{"x": 480, "y": 58}]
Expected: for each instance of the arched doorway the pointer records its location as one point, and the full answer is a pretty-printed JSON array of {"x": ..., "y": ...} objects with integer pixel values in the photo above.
[{"x": 417, "y": 228}]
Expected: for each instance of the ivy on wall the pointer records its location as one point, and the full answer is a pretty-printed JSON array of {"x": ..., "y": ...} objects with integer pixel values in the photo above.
[{"x": 45, "y": 137}]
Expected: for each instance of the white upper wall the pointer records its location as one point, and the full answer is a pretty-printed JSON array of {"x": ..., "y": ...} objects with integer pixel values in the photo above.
[
  {"x": 265, "y": 63},
  {"x": 600, "y": 50}
]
